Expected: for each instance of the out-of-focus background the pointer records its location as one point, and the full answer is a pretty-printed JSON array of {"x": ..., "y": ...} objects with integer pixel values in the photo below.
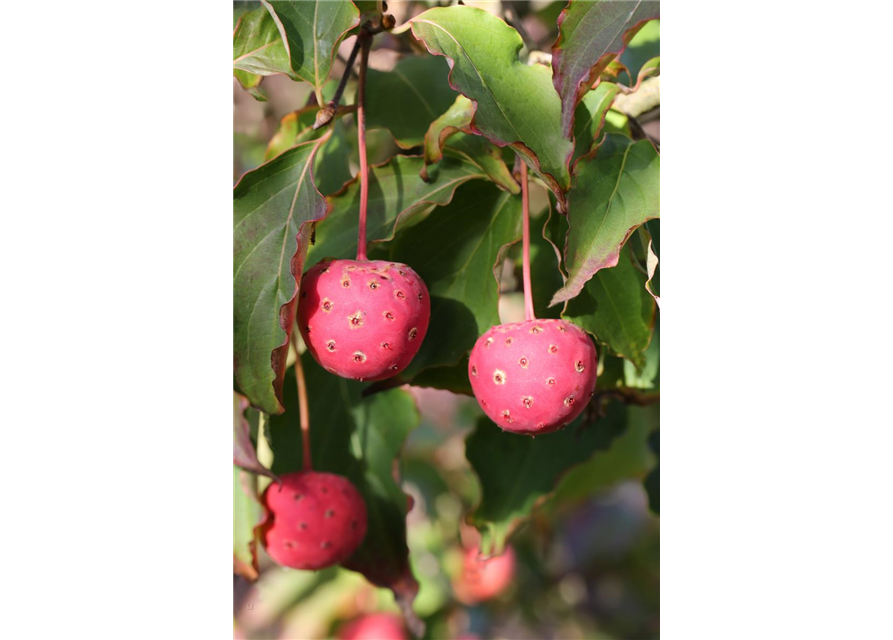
[{"x": 586, "y": 565}]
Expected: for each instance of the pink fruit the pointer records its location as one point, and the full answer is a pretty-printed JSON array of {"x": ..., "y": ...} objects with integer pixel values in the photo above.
[
  {"x": 485, "y": 579},
  {"x": 533, "y": 377},
  {"x": 376, "y": 626},
  {"x": 363, "y": 320},
  {"x": 313, "y": 520}
]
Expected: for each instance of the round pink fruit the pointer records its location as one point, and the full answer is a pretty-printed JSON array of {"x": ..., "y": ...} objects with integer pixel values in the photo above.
[
  {"x": 313, "y": 520},
  {"x": 363, "y": 320},
  {"x": 484, "y": 579},
  {"x": 533, "y": 377},
  {"x": 375, "y": 626}
]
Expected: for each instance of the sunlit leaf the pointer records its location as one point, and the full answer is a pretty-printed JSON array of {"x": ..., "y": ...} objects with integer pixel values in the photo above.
[
  {"x": 614, "y": 192},
  {"x": 311, "y": 31},
  {"x": 516, "y": 103},
  {"x": 591, "y": 34},
  {"x": 257, "y": 48},
  {"x": 271, "y": 208}
]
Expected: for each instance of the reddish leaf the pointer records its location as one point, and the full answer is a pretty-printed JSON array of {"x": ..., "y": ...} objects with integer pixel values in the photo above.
[{"x": 590, "y": 35}]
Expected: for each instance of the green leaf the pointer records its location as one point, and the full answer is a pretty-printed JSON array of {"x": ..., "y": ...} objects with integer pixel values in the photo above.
[
  {"x": 293, "y": 127},
  {"x": 516, "y": 104},
  {"x": 397, "y": 195},
  {"x": 407, "y": 98},
  {"x": 359, "y": 438},
  {"x": 332, "y": 166},
  {"x": 454, "y": 378},
  {"x": 457, "y": 250},
  {"x": 246, "y": 515},
  {"x": 646, "y": 376},
  {"x": 311, "y": 31},
  {"x": 455, "y": 119},
  {"x": 590, "y": 117},
  {"x": 652, "y": 481},
  {"x": 257, "y": 48},
  {"x": 271, "y": 208},
  {"x": 455, "y": 125},
  {"x": 614, "y": 193},
  {"x": 590, "y": 36},
  {"x": 545, "y": 261},
  {"x": 481, "y": 153},
  {"x": 526, "y": 469},
  {"x": 615, "y": 307},
  {"x": 628, "y": 456},
  {"x": 244, "y": 452},
  {"x": 651, "y": 233}
]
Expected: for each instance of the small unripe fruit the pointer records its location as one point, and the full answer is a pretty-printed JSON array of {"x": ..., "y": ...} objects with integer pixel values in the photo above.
[
  {"x": 363, "y": 320},
  {"x": 485, "y": 579},
  {"x": 313, "y": 520},
  {"x": 375, "y": 626},
  {"x": 533, "y": 377}
]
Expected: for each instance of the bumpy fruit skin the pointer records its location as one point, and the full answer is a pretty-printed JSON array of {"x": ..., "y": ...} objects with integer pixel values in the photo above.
[
  {"x": 363, "y": 320},
  {"x": 375, "y": 626},
  {"x": 533, "y": 377},
  {"x": 313, "y": 520},
  {"x": 485, "y": 579}
]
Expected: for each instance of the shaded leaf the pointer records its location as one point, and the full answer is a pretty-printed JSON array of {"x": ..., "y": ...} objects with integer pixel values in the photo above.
[
  {"x": 615, "y": 307},
  {"x": 590, "y": 118},
  {"x": 271, "y": 208},
  {"x": 652, "y": 234},
  {"x": 246, "y": 515},
  {"x": 360, "y": 439},
  {"x": 311, "y": 31},
  {"x": 454, "y": 378},
  {"x": 527, "y": 469},
  {"x": 628, "y": 456},
  {"x": 457, "y": 250},
  {"x": 648, "y": 375},
  {"x": 257, "y": 48},
  {"x": 407, "y": 98},
  {"x": 397, "y": 194},
  {"x": 590, "y": 35},
  {"x": 545, "y": 262},
  {"x": 615, "y": 191},
  {"x": 244, "y": 453},
  {"x": 659, "y": 483},
  {"x": 515, "y": 103}
]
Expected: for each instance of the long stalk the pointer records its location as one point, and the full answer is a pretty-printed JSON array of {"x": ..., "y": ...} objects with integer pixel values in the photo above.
[
  {"x": 303, "y": 407},
  {"x": 361, "y": 136},
  {"x": 525, "y": 205}
]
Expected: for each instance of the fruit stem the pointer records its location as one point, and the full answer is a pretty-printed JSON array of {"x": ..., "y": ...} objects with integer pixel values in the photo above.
[
  {"x": 366, "y": 43},
  {"x": 525, "y": 205},
  {"x": 303, "y": 408}
]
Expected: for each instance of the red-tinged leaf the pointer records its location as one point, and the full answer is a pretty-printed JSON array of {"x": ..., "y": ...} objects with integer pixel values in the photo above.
[
  {"x": 515, "y": 103},
  {"x": 247, "y": 513},
  {"x": 615, "y": 192},
  {"x": 590, "y": 118},
  {"x": 591, "y": 34},
  {"x": 455, "y": 123},
  {"x": 244, "y": 453},
  {"x": 272, "y": 206}
]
